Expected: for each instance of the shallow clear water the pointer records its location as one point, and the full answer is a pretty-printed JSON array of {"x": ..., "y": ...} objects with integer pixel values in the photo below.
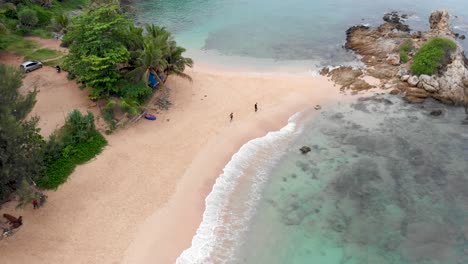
[
  {"x": 304, "y": 33},
  {"x": 384, "y": 183}
]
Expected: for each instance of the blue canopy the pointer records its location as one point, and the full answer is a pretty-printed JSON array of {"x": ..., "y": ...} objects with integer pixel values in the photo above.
[{"x": 152, "y": 81}]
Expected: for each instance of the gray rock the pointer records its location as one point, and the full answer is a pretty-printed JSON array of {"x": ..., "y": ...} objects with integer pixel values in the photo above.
[
  {"x": 405, "y": 78},
  {"x": 413, "y": 80},
  {"x": 429, "y": 83}
]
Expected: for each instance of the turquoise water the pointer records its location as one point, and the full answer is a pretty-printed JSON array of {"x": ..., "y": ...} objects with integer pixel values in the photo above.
[
  {"x": 304, "y": 33},
  {"x": 384, "y": 183}
]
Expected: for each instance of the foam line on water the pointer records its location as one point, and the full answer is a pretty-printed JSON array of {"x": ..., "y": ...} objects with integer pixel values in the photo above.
[{"x": 213, "y": 231}]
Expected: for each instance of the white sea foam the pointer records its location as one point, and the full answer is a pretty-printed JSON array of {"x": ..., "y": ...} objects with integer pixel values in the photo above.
[{"x": 215, "y": 235}]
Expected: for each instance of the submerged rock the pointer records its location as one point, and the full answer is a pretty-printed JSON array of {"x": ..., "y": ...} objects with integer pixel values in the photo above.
[
  {"x": 437, "y": 112},
  {"x": 305, "y": 149}
]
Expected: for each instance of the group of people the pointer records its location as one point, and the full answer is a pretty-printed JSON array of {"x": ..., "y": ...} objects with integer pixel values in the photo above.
[{"x": 231, "y": 116}]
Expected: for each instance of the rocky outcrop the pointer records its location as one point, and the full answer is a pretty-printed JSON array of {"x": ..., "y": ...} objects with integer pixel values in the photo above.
[
  {"x": 380, "y": 49},
  {"x": 348, "y": 78},
  {"x": 439, "y": 22}
]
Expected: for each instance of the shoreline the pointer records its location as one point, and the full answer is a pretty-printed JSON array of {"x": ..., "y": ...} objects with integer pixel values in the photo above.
[{"x": 163, "y": 240}]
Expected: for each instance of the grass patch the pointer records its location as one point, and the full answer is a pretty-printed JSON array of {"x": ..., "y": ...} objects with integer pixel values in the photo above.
[
  {"x": 44, "y": 54},
  {"x": 17, "y": 44},
  {"x": 404, "y": 50},
  {"x": 58, "y": 61},
  {"x": 58, "y": 170},
  {"x": 433, "y": 56},
  {"x": 42, "y": 33}
]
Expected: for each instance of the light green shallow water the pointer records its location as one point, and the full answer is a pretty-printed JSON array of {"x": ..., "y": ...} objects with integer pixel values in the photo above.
[{"x": 382, "y": 184}]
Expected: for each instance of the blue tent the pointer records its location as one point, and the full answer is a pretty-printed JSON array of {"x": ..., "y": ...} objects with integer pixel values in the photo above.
[{"x": 152, "y": 81}]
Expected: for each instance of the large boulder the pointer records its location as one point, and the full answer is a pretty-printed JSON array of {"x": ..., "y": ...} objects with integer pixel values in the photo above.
[
  {"x": 413, "y": 80},
  {"x": 429, "y": 83}
]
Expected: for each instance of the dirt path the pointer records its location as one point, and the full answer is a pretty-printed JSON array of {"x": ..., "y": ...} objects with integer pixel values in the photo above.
[{"x": 57, "y": 96}]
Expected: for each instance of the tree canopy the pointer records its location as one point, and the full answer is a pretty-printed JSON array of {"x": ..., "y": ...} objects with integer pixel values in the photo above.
[
  {"x": 20, "y": 142},
  {"x": 97, "y": 40}
]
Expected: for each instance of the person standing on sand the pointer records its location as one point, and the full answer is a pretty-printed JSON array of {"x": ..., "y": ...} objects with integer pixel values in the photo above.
[
  {"x": 35, "y": 204},
  {"x": 256, "y": 107},
  {"x": 231, "y": 116}
]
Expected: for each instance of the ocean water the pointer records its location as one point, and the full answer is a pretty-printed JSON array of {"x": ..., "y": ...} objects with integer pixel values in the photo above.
[
  {"x": 270, "y": 34},
  {"x": 385, "y": 183}
]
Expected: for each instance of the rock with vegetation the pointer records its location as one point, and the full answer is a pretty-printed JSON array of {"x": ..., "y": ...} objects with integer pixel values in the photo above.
[{"x": 434, "y": 59}]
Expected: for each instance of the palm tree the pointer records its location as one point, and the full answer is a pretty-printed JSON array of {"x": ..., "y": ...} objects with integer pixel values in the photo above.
[
  {"x": 176, "y": 63},
  {"x": 154, "y": 31},
  {"x": 151, "y": 60}
]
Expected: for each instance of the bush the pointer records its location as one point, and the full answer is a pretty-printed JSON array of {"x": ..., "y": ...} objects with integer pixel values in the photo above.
[
  {"x": 78, "y": 128},
  {"x": 28, "y": 17},
  {"x": 404, "y": 50},
  {"x": 433, "y": 56},
  {"x": 58, "y": 170},
  {"x": 135, "y": 92},
  {"x": 44, "y": 16}
]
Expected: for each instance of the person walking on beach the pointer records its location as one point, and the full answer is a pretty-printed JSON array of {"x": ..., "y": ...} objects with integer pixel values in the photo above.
[
  {"x": 256, "y": 107},
  {"x": 231, "y": 116},
  {"x": 35, "y": 204}
]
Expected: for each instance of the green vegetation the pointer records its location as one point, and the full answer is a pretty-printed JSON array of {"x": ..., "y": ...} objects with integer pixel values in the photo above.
[
  {"x": 58, "y": 170},
  {"x": 96, "y": 48},
  {"x": 405, "y": 49},
  {"x": 26, "y": 158},
  {"x": 17, "y": 44},
  {"x": 44, "y": 54},
  {"x": 433, "y": 56},
  {"x": 20, "y": 142},
  {"x": 36, "y": 18},
  {"x": 115, "y": 58},
  {"x": 76, "y": 143}
]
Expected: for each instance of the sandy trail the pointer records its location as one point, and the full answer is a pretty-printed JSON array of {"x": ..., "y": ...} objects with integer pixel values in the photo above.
[{"x": 142, "y": 199}]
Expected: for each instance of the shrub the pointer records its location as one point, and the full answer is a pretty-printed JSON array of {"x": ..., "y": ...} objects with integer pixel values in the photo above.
[
  {"x": 404, "y": 50},
  {"x": 136, "y": 92},
  {"x": 433, "y": 56},
  {"x": 43, "y": 15},
  {"x": 58, "y": 170},
  {"x": 78, "y": 128},
  {"x": 28, "y": 17}
]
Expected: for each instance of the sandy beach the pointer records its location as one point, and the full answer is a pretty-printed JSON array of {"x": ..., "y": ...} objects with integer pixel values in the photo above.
[{"x": 142, "y": 199}]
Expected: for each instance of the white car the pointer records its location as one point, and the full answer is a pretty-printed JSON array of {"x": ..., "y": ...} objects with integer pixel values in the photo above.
[{"x": 29, "y": 66}]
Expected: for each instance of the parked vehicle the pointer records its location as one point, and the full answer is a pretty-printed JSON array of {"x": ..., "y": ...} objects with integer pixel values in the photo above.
[{"x": 29, "y": 66}]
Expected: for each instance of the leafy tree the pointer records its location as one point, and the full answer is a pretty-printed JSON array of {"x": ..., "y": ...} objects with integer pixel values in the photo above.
[
  {"x": 28, "y": 17},
  {"x": 60, "y": 22},
  {"x": 20, "y": 143},
  {"x": 97, "y": 40}
]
